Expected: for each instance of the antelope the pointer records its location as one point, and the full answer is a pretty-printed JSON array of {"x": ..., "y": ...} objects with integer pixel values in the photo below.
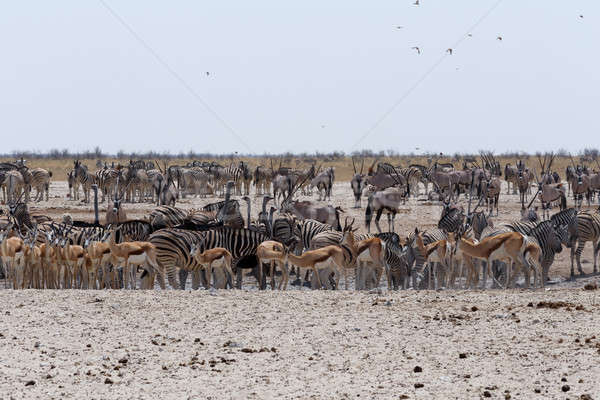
[
  {"x": 376, "y": 254},
  {"x": 73, "y": 257},
  {"x": 48, "y": 253},
  {"x": 272, "y": 252},
  {"x": 316, "y": 260},
  {"x": 13, "y": 254},
  {"x": 385, "y": 200},
  {"x": 133, "y": 254},
  {"x": 358, "y": 183},
  {"x": 99, "y": 255},
  {"x": 208, "y": 257},
  {"x": 33, "y": 264},
  {"x": 511, "y": 246}
]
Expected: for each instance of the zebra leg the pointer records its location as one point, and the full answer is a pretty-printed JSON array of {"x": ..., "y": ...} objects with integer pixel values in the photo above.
[
  {"x": 183, "y": 274},
  {"x": 578, "y": 252},
  {"x": 196, "y": 278},
  {"x": 595, "y": 244}
]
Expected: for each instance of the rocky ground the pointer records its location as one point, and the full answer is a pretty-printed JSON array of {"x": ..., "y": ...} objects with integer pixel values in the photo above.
[{"x": 299, "y": 344}]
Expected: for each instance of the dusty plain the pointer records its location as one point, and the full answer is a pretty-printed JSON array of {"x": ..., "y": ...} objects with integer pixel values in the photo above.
[{"x": 302, "y": 344}]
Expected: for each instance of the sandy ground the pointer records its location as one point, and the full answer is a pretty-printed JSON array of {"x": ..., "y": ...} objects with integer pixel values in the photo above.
[
  {"x": 299, "y": 345},
  {"x": 302, "y": 344}
]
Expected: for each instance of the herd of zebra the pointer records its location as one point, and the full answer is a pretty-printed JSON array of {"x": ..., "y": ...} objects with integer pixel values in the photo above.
[{"x": 217, "y": 243}]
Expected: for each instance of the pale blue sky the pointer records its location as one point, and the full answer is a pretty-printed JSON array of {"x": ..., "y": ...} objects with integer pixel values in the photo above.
[{"x": 72, "y": 76}]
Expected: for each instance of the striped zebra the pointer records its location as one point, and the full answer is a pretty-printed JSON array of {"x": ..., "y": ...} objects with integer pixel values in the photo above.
[
  {"x": 452, "y": 218},
  {"x": 173, "y": 247},
  {"x": 167, "y": 217},
  {"x": 413, "y": 176},
  {"x": 107, "y": 182},
  {"x": 136, "y": 182},
  {"x": 82, "y": 178},
  {"x": 15, "y": 186},
  {"x": 241, "y": 243},
  {"x": 262, "y": 180},
  {"x": 587, "y": 230},
  {"x": 195, "y": 180},
  {"x": 40, "y": 181},
  {"x": 395, "y": 261}
]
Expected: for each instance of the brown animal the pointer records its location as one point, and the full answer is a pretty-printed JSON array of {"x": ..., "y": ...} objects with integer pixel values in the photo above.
[
  {"x": 133, "y": 254},
  {"x": 208, "y": 257},
  {"x": 511, "y": 246},
  {"x": 272, "y": 252}
]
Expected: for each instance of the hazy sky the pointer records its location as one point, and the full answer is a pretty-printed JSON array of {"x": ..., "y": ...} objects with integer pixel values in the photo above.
[{"x": 300, "y": 76}]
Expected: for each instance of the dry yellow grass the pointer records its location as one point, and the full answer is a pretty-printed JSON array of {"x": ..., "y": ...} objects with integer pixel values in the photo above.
[{"x": 343, "y": 165}]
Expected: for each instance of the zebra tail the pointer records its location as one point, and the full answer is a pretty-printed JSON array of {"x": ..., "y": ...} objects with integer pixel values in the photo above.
[{"x": 563, "y": 202}]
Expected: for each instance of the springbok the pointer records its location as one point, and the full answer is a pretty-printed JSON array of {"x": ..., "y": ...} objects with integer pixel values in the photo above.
[
  {"x": 272, "y": 252},
  {"x": 511, "y": 246},
  {"x": 133, "y": 254},
  {"x": 13, "y": 254},
  {"x": 208, "y": 257}
]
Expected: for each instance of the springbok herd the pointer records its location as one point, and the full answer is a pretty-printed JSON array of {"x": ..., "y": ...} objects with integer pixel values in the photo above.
[{"x": 307, "y": 238}]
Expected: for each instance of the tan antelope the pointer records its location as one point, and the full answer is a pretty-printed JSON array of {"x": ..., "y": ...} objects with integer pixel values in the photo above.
[
  {"x": 208, "y": 257},
  {"x": 370, "y": 250},
  {"x": 49, "y": 263},
  {"x": 272, "y": 252},
  {"x": 13, "y": 254},
  {"x": 133, "y": 254},
  {"x": 33, "y": 275},
  {"x": 511, "y": 246},
  {"x": 73, "y": 258},
  {"x": 316, "y": 260},
  {"x": 100, "y": 257}
]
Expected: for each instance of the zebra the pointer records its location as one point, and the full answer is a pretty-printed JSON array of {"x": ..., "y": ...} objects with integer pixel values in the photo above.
[
  {"x": 587, "y": 230},
  {"x": 167, "y": 217},
  {"x": 173, "y": 247},
  {"x": 136, "y": 181},
  {"x": 15, "y": 186},
  {"x": 262, "y": 180},
  {"x": 135, "y": 230},
  {"x": 478, "y": 221},
  {"x": 40, "y": 180},
  {"x": 510, "y": 175},
  {"x": 414, "y": 255},
  {"x": 107, "y": 181},
  {"x": 82, "y": 178},
  {"x": 241, "y": 243},
  {"x": 452, "y": 218},
  {"x": 413, "y": 176}
]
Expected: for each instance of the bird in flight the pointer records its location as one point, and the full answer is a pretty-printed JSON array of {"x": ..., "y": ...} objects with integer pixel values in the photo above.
[
  {"x": 322, "y": 126},
  {"x": 499, "y": 38},
  {"x": 399, "y": 27},
  {"x": 470, "y": 35},
  {"x": 417, "y": 49},
  {"x": 449, "y": 51},
  {"x": 416, "y": 3},
  {"x": 207, "y": 73},
  {"x": 580, "y": 15}
]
